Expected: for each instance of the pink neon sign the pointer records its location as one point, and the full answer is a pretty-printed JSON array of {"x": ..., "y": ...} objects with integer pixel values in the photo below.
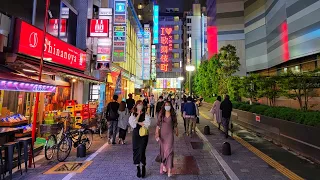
[{"x": 29, "y": 87}]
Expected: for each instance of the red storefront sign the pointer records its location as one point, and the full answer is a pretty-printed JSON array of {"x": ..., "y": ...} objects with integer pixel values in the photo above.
[
  {"x": 53, "y": 27},
  {"x": 99, "y": 28},
  {"x": 165, "y": 49},
  {"x": 29, "y": 41}
]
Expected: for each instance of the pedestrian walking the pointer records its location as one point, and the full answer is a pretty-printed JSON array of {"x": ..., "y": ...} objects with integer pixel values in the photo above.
[
  {"x": 216, "y": 112},
  {"x": 166, "y": 127},
  {"x": 152, "y": 104},
  {"x": 184, "y": 119},
  {"x": 130, "y": 102},
  {"x": 159, "y": 105},
  {"x": 190, "y": 114},
  {"x": 112, "y": 117},
  {"x": 123, "y": 122},
  {"x": 146, "y": 103},
  {"x": 226, "y": 108},
  {"x": 178, "y": 102},
  {"x": 140, "y": 122}
]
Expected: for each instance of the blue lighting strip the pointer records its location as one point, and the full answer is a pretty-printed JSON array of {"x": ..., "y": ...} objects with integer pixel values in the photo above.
[{"x": 135, "y": 15}]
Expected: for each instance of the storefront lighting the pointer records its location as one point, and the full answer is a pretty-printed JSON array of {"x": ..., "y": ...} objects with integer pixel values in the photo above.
[
  {"x": 21, "y": 86},
  {"x": 74, "y": 80},
  {"x": 29, "y": 70},
  {"x": 180, "y": 78}
]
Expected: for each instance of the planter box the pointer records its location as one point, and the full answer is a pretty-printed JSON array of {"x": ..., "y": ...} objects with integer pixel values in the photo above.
[{"x": 298, "y": 137}]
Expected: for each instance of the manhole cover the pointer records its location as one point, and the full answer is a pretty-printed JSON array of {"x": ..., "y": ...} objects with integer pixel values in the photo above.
[
  {"x": 197, "y": 145},
  {"x": 68, "y": 167},
  {"x": 185, "y": 165}
]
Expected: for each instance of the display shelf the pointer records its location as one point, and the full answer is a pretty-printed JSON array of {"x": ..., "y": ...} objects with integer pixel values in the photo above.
[
  {"x": 11, "y": 124},
  {"x": 20, "y": 135}
]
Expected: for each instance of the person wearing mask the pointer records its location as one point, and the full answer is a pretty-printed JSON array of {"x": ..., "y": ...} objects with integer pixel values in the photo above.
[
  {"x": 167, "y": 126},
  {"x": 139, "y": 119},
  {"x": 216, "y": 112},
  {"x": 152, "y": 104},
  {"x": 123, "y": 122},
  {"x": 159, "y": 105},
  {"x": 130, "y": 102},
  {"x": 226, "y": 108},
  {"x": 184, "y": 119},
  {"x": 112, "y": 117},
  {"x": 190, "y": 114}
]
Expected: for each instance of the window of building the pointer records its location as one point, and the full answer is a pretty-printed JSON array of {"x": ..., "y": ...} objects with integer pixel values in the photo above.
[
  {"x": 176, "y": 28},
  {"x": 176, "y": 9},
  {"x": 176, "y": 65},
  {"x": 176, "y": 18},
  {"x": 176, "y": 37},
  {"x": 176, "y": 46},
  {"x": 176, "y": 55},
  {"x": 189, "y": 20},
  {"x": 94, "y": 92}
]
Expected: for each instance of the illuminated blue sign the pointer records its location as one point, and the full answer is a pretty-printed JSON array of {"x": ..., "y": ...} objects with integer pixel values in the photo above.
[
  {"x": 155, "y": 24},
  {"x": 120, "y": 7}
]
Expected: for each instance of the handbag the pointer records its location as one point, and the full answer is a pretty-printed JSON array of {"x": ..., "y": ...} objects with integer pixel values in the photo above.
[{"x": 143, "y": 131}]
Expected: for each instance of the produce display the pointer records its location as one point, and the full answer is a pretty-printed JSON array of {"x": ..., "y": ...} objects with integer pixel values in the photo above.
[
  {"x": 14, "y": 118},
  {"x": 26, "y": 128}
]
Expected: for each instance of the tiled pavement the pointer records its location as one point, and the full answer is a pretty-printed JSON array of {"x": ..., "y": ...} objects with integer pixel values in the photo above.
[
  {"x": 244, "y": 163},
  {"x": 115, "y": 162}
]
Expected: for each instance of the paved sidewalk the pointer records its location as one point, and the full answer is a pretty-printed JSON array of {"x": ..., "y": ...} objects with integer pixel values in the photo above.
[
  {"x": 244, "y": 163},
  {"x": 192, "y": 161}
]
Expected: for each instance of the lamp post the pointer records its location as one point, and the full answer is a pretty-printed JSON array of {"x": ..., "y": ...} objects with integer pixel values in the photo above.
[{"x": 190, "y": 68}]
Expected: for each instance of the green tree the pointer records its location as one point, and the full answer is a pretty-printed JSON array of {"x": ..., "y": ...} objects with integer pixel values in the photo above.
[
  {"x": 300, "y": 86},
  {"x": 268, "y": 87},
  {"x": 234, "y": 88},
  {"x": 249, "y": 87}
]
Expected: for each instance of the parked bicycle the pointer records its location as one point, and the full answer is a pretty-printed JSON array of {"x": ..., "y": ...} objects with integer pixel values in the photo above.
[{"x": 102, "y": 125}]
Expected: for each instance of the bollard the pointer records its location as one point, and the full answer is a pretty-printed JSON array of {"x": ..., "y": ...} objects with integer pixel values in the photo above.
[
  {"x": 206, "y": 130},
  {"x": 226, "y": 149},
  {"x": 81, "y": 150}
]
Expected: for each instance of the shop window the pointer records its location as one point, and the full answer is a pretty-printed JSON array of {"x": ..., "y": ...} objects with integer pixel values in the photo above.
[
  {"x": 176, "y": 55},
  {"x": 94, "y": 92},
  {"x": 176, "y": 28},
  {"x": 176, "y": 37},
  {"x": 176, "y": 46}
]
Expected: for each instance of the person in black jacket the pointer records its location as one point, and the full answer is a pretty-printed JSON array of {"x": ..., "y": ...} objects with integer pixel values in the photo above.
[
  {"x": 159, "y": 105},
  {"x": 112, "y": 117},
  {"x": 226, "y": 108},
  {"x": 130, "y": 102}
]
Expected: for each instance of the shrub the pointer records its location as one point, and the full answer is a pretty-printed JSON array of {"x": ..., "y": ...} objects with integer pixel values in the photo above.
[{"x": 310, "y": 118}]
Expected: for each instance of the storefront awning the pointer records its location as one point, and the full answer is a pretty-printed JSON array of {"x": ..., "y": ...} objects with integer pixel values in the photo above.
[{"x": 11, "y": 81}]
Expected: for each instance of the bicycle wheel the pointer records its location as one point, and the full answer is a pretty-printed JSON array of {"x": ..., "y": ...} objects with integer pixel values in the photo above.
[
  {"x": 64, "y": 148},
  {"x": 50, "y": 147},
  {"x": 87, "y": 138},
  {"x": 103, "y": 129}
]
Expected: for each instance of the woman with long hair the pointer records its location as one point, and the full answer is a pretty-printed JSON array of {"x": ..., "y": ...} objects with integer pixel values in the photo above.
[
  {"x": 123, "y": 122},
  {"x": 167, "y": 125},
  {"x": 215, "y": 110},
  {"x": 139, "y": 121}
]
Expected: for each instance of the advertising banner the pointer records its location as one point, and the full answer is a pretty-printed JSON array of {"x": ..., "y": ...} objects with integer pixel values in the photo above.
[
  {"x": 105, "y": 11},
  {"x": 99, "y": 28},
  {"x": 119, "y": 31},
  {"x": 29, "y": 41},
  {"x": 54, "y": 25},
  {"x": 146, "y": 58},
  {"x": 153, "y": 62},
  {"x": 155, "y": 24}
]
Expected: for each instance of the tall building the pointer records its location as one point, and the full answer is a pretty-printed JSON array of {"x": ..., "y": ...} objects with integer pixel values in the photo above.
[
  {"x": 170, "y": 48},
  {"x": 196, "y": 33}
]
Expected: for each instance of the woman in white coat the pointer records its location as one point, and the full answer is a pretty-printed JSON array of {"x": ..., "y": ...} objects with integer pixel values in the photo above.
[{"x": 215, "y": 110}]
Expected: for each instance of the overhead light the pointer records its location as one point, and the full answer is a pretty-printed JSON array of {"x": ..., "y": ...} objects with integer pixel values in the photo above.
[
  {"x": 181, "y": 78},
  {"x": 74, "y": 80},
  {"x": 29, "y": 70}
]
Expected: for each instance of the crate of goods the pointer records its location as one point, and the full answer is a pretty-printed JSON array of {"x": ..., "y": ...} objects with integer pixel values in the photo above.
[
  {"x": 93, "y": 112},
  {"x": 85, "y": 114},
  {"x": 70, "y": 108},
  {"x": 77, "y": 113},
  {"x": 78, "y": 107},
  {"x": 85, "y": 107},
  {"x": 71, "y": 102},
  {"x": 78, "y": 119},
  {"x": 93, "y": 105}
]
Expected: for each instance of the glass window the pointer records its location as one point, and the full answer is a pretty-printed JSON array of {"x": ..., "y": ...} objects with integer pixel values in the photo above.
[
  {"x": 94, "y": 92},
  {"x": 176, "y": 46},
  {"x": 176, "y": 55},
  {"x": 176, "y": 28},
  {"x": 176, "y": 18},
  {"x": 176, "y": 37},
  {"x": 176, "y": 65}
]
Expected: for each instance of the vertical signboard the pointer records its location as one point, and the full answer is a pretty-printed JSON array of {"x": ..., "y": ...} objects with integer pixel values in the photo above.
[
  {"x": 155, "y": 24},
  {"x": 98, "y": 28},
  {"x": 165, "y": 49},
  {"x": 53, "y": 27},
  {"x": 119, "y": 31},
  {"x": 153, "y": 62},
  {"x": 146, "y": 53}
]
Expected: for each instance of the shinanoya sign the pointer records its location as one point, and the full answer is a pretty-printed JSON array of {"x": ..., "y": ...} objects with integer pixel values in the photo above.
[{"x": 29, "y": 41}]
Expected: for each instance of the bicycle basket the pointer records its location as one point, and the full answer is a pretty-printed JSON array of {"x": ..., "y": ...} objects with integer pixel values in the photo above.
[{"x": 50, "y": 128}]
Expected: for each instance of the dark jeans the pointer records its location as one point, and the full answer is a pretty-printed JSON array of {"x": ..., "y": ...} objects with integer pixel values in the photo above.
[
  {"x": 122, "y": 133},
  {"x": 113, "y": 127},
  {"x": 225, "y": 123},
  {"x": 152, "y": 110}
]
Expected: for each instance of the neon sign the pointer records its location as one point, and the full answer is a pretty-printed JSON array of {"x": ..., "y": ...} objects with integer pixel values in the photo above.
[
  {"x": 165, "y": 49},
  {"x": 155, "y": 24}
]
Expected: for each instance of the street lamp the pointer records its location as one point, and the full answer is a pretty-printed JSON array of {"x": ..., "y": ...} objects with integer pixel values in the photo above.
[{"x": 190, "y": 68}]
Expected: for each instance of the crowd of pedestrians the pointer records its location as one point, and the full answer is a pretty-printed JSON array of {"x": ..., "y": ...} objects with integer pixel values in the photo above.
[{"x": 129, "y": 115}]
